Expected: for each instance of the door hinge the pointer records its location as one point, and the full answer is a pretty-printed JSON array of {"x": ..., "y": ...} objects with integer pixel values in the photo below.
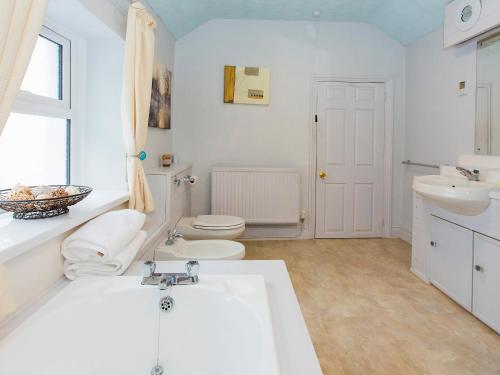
[{"x": 316, "y": 119}]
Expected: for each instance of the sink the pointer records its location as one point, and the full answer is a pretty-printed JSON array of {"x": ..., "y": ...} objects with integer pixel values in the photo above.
[
  {"x": 201, "y": 250},
  {"x": 455, "y": 194}
]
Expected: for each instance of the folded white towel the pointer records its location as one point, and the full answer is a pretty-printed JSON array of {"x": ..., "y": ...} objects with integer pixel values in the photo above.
[
  {"x": 102, "y": 267},
  {"x": 103, "y": 237}
]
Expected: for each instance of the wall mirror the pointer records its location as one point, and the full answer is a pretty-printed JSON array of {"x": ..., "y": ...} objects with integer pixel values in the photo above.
[{"x": 487, "y": 140}]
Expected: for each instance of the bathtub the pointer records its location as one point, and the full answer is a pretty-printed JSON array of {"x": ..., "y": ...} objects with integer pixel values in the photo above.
[{"x": 114, "y": 325}]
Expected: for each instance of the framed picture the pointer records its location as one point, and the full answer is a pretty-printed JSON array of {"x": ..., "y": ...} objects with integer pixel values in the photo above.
[
  {"x": 246, "y": 85},
  {"x": 160, "y": 110}
]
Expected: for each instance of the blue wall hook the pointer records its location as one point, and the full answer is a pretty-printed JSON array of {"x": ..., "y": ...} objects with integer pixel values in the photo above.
[{"x": 142, "y": 155}]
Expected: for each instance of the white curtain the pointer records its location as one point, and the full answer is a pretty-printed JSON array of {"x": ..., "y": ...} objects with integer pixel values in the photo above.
[
  {"x": 20, "y": 22},
  {"x": 136, "y": 98}
]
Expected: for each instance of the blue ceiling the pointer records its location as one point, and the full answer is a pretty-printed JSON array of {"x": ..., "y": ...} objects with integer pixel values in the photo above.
[{"x": 403, "y": 20}]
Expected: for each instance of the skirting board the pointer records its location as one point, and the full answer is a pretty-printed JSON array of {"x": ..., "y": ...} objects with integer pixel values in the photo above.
[
  {"x": 402, "y": 233},
  {"x": 420, "y": 275},
  {"x": 267, "y": 232}
]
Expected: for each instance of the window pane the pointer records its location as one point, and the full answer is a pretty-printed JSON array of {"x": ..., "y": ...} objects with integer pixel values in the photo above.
[
  {"x": 44, "y": 74},
  {"x": 33, "y": 151}
]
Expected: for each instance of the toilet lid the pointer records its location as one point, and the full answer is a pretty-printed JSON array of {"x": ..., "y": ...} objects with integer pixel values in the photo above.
[{"x": 218, "y": 222}]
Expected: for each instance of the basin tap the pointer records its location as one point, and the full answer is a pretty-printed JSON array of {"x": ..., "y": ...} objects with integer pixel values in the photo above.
[
  {"x": 470, "y": 175},
  {"x": 172, "y": 236},
  {"x": 166, "y": 280}
]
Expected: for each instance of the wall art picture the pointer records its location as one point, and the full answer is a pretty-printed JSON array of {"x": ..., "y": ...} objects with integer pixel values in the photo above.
[
  {"x": 246, "y": 85},
  {"x": 160, "y": 110}
]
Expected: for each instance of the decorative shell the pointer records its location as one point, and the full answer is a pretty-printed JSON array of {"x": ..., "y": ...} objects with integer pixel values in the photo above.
[
  {"x": 58, "y": 193},
  {"x": 20, "y": 193},
  {"x": 43, "y": 196},
  {"x": 72, "y": 190}
]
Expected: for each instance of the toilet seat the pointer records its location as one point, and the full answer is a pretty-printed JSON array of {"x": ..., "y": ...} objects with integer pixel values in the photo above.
[
  {"x": 220, "y": 227},
  {"x": 218, "y": 222}
]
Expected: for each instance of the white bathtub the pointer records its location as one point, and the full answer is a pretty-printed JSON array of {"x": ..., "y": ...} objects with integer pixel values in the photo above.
[{"x": 113, "y": 325}]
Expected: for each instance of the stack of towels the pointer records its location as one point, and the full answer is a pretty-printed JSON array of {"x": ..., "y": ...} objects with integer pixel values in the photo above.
[{"x": 105, "y": 245}]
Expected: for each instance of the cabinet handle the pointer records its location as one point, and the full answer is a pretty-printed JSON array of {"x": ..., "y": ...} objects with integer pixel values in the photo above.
[
  {"x": 433, "y": 243},
  {"x": 478, "y": 268}
]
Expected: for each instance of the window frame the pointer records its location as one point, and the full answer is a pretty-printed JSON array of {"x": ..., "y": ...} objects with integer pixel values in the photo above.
[{"x": 38, "y": 105}]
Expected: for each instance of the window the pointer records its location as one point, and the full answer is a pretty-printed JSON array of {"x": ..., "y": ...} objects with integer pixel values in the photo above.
[
  {"x": 43, "y": 76},
  {"x": 35, "y": 143}
]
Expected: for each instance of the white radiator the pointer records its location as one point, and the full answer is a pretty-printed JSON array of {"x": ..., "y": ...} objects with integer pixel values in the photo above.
[{"x": 258, "y": 195}]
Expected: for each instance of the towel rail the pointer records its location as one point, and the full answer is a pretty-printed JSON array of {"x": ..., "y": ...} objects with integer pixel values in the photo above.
[{"x": 409, "y": 162}]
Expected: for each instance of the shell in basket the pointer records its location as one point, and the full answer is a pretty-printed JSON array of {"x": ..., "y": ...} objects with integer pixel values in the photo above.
[{"x": 37, "y": 202}]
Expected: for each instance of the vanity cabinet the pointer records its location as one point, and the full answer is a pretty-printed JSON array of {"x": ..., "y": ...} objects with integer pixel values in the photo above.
[
  {"x": 486, "y": 276},
  {"x": 451, "y": 260},
  {"x": 461, "y": 262}
]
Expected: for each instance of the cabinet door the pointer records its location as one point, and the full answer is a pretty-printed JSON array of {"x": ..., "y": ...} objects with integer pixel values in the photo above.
[
  {"x": 486, "y": 277},
  {"x": 451, "y": 260}
]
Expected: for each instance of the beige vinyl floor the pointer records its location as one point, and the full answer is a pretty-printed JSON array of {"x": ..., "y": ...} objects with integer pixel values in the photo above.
[{"x": 368, "y": 314}]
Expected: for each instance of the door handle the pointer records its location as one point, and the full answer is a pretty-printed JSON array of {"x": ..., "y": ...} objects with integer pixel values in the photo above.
[
  {"x": 322, "y": 175},
  {"x": 479, "y": 268}
]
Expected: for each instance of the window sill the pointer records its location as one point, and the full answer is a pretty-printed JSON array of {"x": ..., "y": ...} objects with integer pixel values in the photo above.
[{"x": 20, "y": 236}]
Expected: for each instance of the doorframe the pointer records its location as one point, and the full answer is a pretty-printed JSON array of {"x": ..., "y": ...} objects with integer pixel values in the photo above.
[{"x": 388, "y": 137}]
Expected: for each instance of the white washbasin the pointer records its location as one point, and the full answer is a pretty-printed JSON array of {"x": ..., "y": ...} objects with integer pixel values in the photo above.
[
  {"x": 113, "y": 325},
  {"x": 454, "y": 193}
]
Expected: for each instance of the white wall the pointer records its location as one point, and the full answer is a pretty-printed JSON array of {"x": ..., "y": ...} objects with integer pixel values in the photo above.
[
  {"x": 439, "y": 122},
  {"x": 104, "y": 151},
  {"x": 210, "y": 133}
]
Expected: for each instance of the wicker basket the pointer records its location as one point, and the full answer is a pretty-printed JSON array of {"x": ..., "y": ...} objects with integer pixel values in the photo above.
[{"x": 42, "y": 208}]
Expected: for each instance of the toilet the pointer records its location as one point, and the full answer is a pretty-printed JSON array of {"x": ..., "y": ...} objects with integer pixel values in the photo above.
[
  {"x": 204, "y": 237},
  {"x": 207, "y": 227},
  {"x": 201, "y": 250}
]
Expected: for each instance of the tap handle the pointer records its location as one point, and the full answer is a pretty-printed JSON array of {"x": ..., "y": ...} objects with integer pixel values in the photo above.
[
  {"x": 192, "y": 268},
  {"x": 174, "y": 234},
  {"x": 149, "y": 268}
]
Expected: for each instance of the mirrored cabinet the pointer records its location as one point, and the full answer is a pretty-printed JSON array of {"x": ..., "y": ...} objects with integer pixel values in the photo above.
[{"x": 487, "y": 134}]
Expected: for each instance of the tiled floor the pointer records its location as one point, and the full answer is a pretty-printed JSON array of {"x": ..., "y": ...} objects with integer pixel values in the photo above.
[{"x": 368, "y": 314}]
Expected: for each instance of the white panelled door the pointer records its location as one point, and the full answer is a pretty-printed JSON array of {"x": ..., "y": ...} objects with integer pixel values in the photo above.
[{"x": 350, "y": 160}]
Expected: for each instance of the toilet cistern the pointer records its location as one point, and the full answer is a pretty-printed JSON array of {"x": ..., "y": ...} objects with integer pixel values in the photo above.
[{"x": 165, "y": 280}]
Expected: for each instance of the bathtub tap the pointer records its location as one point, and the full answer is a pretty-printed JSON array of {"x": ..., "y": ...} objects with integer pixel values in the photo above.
[{"x": 165, "y": 280}]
